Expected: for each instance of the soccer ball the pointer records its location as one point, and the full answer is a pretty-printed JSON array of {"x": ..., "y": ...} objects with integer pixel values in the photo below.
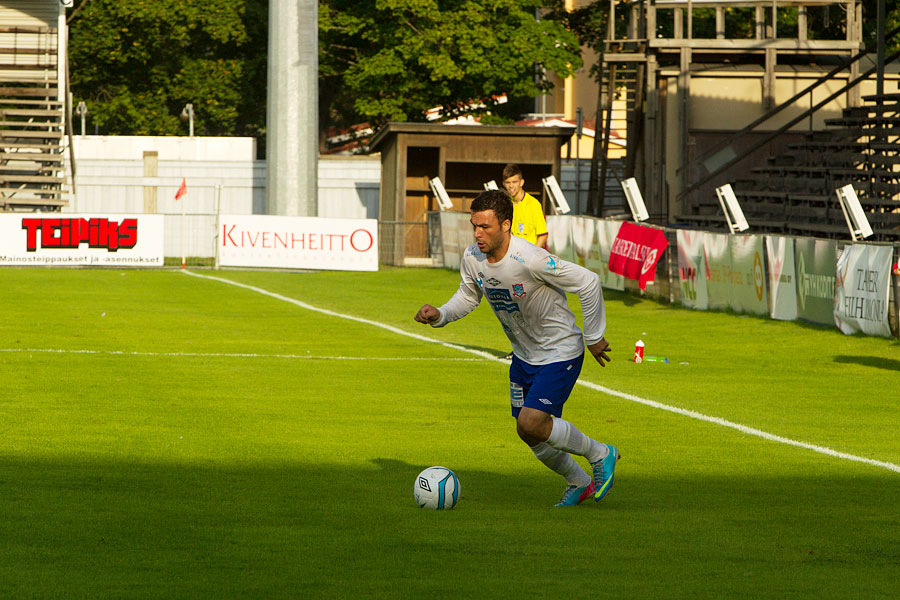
[{"x": 436, "y": 488}]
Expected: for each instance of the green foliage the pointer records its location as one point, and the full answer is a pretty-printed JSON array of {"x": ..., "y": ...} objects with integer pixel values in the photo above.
[
  {"x": 137, "y": 63},
  {"x": 392, "y": 60}
]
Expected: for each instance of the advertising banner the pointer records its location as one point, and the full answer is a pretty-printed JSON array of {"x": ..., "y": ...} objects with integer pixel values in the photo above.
[
  {"x": 635, "y": 252},
  {"x": 559, "y": 236},
  {"x": 593, "y": 240},
  {"x": 861, "y": 300},
  {"x": 692, "y": 269},
  {"x": 717, "y": 255},
  {"x": 748, "y": 274},
  {"x": 298, "y": 242},
  {"x": 815, "y": 262},
  {"x": 60, "y": 239},
  {"x": 607, "y": 230},
  {"x": 583, "y": 237},
  {"x": 782, "y": 286}
]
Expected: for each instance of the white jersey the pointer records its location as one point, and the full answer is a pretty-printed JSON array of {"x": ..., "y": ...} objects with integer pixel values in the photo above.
[{"x": 526, "y": 289}]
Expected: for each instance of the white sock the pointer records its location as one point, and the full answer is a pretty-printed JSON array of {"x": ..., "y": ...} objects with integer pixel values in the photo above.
[
  {"x": 564, "y": 436},
  {"x": 562, "y": 463}
]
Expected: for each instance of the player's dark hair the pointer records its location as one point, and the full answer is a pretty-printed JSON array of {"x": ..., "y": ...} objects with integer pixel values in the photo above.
[
  {"x": 511, "y": 170},
  {"x": 495, "y": 200}
]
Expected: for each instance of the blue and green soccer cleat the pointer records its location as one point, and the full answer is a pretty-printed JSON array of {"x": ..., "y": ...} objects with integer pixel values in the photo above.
[
  {"x": 604, "y": 471},
  {"x": 576, "y": 495}
]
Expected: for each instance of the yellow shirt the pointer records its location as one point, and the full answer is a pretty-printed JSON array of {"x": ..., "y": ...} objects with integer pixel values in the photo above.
[{"x": 528, "y": 219}]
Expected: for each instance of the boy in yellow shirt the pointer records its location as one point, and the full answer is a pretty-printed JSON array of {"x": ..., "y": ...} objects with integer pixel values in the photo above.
[{"x": 528, "y": 217}]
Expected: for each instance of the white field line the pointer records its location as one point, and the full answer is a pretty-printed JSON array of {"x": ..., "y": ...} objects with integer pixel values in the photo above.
[
  {"x": 624, "y": 396},
  {"x": 230, "y": 355}
]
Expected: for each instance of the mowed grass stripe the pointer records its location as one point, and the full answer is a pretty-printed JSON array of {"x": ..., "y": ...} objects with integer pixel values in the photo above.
[{"x": 234, "y": 355}]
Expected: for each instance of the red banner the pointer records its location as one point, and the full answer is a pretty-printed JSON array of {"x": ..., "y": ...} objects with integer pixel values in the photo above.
[{"x": 635, "y": 252}]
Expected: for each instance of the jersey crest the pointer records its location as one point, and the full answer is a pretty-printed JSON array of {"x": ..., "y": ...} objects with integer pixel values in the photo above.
[{"x": 518, "y": 290}]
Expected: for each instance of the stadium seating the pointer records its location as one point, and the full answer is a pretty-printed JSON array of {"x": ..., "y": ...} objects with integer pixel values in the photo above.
[
  {"x": 31, "y": 120},
  {"x": 795, "y": 193}
]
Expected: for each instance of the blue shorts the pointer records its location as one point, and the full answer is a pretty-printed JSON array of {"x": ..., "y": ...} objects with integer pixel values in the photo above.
[{"x": 542, "y": 387}]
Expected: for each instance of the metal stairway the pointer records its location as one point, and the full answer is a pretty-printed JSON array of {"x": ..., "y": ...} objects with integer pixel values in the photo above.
[{"x": 32, "y": 169}]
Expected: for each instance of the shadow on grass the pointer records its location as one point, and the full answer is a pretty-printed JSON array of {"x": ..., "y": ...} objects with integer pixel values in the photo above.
[
  {"x": 105, "y": 529},
  {"x": 889, "y": 364}
]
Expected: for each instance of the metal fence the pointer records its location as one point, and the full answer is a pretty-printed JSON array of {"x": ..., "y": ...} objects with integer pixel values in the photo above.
[{"x": 404, "y": 243}]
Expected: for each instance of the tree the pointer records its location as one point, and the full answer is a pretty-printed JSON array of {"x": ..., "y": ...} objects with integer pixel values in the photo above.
[
  {"x": 391, "y": 60},
  {"x": 137, "y": 63}
]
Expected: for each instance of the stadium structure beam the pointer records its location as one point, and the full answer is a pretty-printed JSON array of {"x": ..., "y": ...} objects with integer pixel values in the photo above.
[{"x": 292, "y": 109}]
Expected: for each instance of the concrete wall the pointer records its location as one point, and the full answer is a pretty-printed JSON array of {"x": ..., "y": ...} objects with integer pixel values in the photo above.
[{"x": 133, "y": 174}]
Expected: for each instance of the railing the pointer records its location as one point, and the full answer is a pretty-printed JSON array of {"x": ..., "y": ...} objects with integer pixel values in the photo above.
[
  {"x": 403, "y": 243},
  {"x": 717, "y": 148}
]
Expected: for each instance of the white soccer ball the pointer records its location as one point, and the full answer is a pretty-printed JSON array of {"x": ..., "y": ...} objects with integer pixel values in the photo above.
[{"x": 436, "y": 488}]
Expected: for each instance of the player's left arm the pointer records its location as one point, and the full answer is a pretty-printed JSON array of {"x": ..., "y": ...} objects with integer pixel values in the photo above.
[{"x": 575, "y": 279}]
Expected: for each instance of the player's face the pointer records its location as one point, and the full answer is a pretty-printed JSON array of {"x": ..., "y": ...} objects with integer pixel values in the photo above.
[
  {"x": 490, "y": 234},
  {"x": 514, "y": 185}
]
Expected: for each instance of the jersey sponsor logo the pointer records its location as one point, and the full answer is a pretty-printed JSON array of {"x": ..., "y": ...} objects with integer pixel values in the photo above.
[
  {"x": 550, "y": 264},
  {"x": 497, "y": 294},
  {"x": 500, "y": 300},
  {"x": 518, "y": 290}
]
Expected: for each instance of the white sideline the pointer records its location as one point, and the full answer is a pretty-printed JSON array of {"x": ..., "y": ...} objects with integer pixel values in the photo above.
[{"x": 624, "y": 396}]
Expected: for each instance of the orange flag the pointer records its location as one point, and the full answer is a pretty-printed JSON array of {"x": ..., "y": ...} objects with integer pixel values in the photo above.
[{"x": 182, "y": 190}]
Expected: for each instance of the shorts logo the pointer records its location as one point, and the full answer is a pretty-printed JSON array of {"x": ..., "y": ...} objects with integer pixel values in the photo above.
[
  {"x": 544, "y": 401},
  {"x": 516, "y": 395},
  {"x": 519, "y": 290}
]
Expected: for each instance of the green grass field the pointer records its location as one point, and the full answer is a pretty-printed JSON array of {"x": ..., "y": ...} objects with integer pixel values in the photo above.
[{"x": 168, "y": 436}]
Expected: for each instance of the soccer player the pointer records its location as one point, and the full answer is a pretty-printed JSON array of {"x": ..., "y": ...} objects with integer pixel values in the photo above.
[
  {"x": 528, "y": 220},
  {"x": 526, "y": 287}
]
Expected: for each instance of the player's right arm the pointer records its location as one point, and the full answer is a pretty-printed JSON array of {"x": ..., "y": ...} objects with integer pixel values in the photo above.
[
  {"x": 428, "y": 314},
  {"x": 464, "y": 301}
]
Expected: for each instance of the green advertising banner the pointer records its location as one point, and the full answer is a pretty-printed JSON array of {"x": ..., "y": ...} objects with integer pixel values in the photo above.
[
  {"x": 692, "y": 269},
  {"x": 816, "y": 265},
  {"x": 719, "y": 279},
  {"x": 748, "y": 274}
]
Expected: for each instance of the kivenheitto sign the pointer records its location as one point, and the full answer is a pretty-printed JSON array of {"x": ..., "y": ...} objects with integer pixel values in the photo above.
[
  {"x": 57, "y": 239},
  {"x": 298, "y": 242},
  {"x": 861, "y": 298},
  {"x": 816, "y": 263}
]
